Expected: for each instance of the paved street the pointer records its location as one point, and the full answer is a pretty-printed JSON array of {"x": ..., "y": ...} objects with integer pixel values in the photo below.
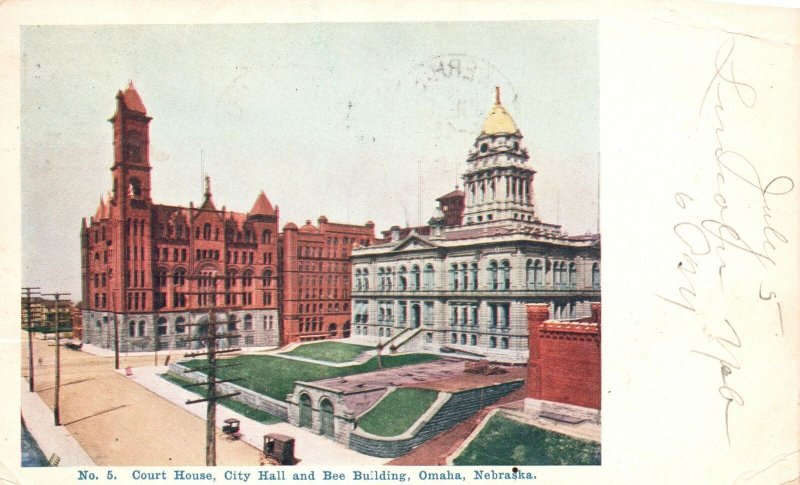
[
  {"x": 312, "y": 449},
  {"x": 143, "y": 420},
  {"x": 115, "y": 420}
]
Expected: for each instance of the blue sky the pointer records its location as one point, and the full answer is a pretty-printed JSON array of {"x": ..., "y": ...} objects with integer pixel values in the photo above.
[{"x": 332, "y": 119}]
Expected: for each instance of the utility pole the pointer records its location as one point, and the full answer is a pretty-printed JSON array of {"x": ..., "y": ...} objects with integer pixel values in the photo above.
[
  {"x": 116, "y": 331},
  {"x": 56, "y": 411},
  {"x": 28, "y": 290},
  {"x": 211, "y": 339}
]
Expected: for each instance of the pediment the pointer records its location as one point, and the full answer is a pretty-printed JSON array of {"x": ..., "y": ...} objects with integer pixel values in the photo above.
[{"x": 414, "y": 242}]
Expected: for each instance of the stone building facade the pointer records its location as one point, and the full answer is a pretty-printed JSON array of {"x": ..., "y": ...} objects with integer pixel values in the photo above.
[{"x": 463, "y": 287}]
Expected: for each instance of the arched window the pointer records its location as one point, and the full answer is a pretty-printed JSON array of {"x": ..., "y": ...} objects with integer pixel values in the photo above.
[
  {"x": 366, "y": 280},
  {"x": 505, "y": 280},
  {"x": 596, "y": 276},
  {"x": 141, "y": 328},
  {"x": 415, "y": 278},
  {"x": 557, "y": 275},
  {"x": 504, "y": 343},
  {"x": 492, "y": 275},
  {"x": 266, "y": 237},
  {"x": 428, "y": 277},
  {"x": 131, "y": 328},
  {"x": 162, "y": 326},
  {"x": 474, "y": 270},
  {"x": 473, "y": 340},
  {"x": 248, "y": 322},
  {"x": 358, "y": 280},
  {"x": 529, "y": 275},
  {"x": 180, "y": 325},
  {"x": 247, "y": 278},
  {"x": 402, "y": 280},
  {"x": 381, "y": 279},
  {"x": 464, "y": 277},
  {"x": 453, "y": 277},
  {"x": 538, "y": 280},
  {"x": 135, "y": 188},
  {"x": 206, "y": 231},
  {"x": 573, "y": 276},
  {"x": 266, "y": 279}
]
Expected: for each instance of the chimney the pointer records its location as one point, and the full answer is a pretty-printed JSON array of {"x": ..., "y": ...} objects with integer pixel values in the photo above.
[{"x": 395, "y": 233}]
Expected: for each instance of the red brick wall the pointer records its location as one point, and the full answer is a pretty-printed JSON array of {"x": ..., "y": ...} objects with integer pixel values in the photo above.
[
  {"x": 564, "y": 363},
  {"x": 316, "y": 271}
]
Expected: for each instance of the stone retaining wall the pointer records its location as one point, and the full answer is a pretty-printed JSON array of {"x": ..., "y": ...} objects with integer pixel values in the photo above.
[
  {"x": 450, "y": 412},
  {"x": 251, "y": 398}
]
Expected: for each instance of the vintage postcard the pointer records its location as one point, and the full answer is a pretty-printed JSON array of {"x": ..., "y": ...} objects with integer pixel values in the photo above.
[{"x": 273, "y": 244}]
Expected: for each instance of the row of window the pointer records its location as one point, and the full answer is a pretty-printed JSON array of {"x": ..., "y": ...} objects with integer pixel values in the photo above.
[
  {"x": 316, "y": 280},
  {"x": 464, "y": 277},
  {"x": 179, "y": 325},
  {"x": 314, "y": 293},
  {"x": 331, "y": 307},
  {"x": 455, "y": 338},
  {"x": 248, "y": 236}
]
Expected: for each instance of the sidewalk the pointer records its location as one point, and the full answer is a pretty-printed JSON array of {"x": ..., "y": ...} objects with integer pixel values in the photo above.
[
  {"x": 50, "y": 438},
  {"x": 310, "y": 448}
]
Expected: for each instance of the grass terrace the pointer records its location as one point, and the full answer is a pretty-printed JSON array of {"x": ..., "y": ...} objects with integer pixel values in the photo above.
[
  {"x": 275, "y": 376},
  {"x": 337, "y": 352},
  {"x": 395, "y": 413},
  {"x": 241, "y": 408},
  {"x": 504, "y": 441}
]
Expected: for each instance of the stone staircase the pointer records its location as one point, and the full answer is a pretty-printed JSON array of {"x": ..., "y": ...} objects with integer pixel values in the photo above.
[{"x": 407, "y": 336}]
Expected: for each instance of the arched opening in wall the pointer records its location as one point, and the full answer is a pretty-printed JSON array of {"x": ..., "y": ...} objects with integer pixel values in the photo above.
[
  {"x": 326, "y": 425},
  {"x": 346, "y": 330},
  {"x": 332, "y": 329},
  {"x": 415, "y": 315},
  {"x": 135, "y": 187},
  {"x": 596, "y": 276},
  {"x": 305, "y": 411}
]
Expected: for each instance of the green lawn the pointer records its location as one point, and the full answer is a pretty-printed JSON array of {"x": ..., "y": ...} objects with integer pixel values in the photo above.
[
  {"x": 275, "y": 376},
  {"x": 241, "y": 408},
  {"x": 395, "y": 413},
  {"x": 330, "y": 351},
  {"x": 504, "y": 441}
]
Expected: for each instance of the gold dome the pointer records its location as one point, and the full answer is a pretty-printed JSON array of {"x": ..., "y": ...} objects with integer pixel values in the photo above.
[{"x": 499, "y": 122}]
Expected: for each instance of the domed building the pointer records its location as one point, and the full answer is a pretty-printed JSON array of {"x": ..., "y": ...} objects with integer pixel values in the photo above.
[{"x": 460, "y": 284}]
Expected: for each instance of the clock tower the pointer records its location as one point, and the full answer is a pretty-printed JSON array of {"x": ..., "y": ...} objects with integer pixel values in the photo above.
[{"x": 131, "y": 168}]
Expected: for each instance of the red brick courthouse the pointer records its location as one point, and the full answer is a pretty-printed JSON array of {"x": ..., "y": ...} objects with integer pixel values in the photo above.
[{"x": 151, "y": 269}]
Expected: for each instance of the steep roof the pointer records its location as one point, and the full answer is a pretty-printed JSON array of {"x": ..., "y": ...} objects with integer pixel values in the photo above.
[
  {"x": 132, "y": 100},
  {"x": 451, "y": 195},
  {"x": 101, "y": 210},
  {"x": 262, "y": 206}
]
